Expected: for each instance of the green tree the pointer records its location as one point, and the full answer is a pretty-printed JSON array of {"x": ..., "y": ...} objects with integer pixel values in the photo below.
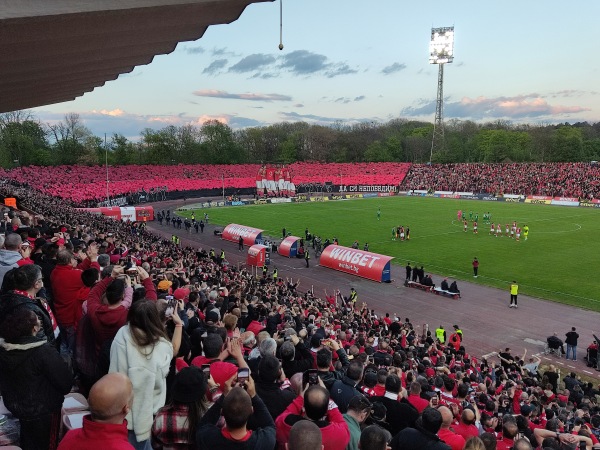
[{"x": 567, "y": 144}]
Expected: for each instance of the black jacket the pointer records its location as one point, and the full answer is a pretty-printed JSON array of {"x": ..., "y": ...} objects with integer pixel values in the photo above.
[
  {"x": 400, "y": 414},
  {"x": 302, "y": 361},
  {"x": 342, "y": 391},
  {"x": 275, "y": 398},
  {"x": 10, "y": 301},
  {"x": 417, "y": 439},
  {"x": 34, "y": 378},
  {"x": 209, "y": 436}
]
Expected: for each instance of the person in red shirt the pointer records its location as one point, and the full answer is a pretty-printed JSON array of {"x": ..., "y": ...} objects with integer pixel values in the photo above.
[
  {"x": 414, "y": 397},
  {"x": 454, "y": 440},
  {"x": 110, "y": 400},
  {"x": 66, "y": 282},
  {"x": 509, "y": 431},
  {"x": 466, "y": 426}
]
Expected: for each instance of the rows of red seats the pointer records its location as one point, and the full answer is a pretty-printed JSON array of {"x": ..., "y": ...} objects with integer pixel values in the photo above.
[
  {"x": 82, "y": 183},
  {"x": 547, "y": 179}
]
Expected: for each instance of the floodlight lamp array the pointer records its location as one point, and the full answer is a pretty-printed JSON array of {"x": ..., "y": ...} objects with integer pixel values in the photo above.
[{"x": 441, "y": 46}]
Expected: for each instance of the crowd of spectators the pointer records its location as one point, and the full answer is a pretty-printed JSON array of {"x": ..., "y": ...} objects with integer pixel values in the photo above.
[
  {"x": 177, "y": 349},
  {"x": 578, "y": 180},
  {"x": 81, "y": 184}
]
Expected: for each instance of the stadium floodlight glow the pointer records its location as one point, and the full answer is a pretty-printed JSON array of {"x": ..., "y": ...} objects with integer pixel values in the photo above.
[{"x": 441, "y": 46}]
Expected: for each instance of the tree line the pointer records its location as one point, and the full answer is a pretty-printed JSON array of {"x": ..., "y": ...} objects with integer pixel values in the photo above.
[{"x": 24, "y": 140}]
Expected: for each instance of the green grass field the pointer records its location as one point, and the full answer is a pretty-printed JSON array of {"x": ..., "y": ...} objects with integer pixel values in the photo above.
[{"x": 559, "y": 261}]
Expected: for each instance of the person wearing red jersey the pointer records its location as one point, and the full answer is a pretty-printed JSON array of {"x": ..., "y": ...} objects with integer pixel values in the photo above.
[
  {"x": 498, "y": 230},
  {"x": 518, "y": 233},
  {"x": 492, "y": 229},
  {"x": 507, "y": 230},
  {"x": 474, "y": 227},
  {"x": 465, "y": 225}
]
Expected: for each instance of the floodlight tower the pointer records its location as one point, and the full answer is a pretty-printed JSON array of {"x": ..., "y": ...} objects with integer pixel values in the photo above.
[{"x": 441, "y": 51}]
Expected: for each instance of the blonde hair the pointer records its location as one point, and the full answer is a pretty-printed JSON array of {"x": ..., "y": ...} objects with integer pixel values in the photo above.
[
  {"x": 474, "y": 443},
  {"x": 230, "y": 321}
]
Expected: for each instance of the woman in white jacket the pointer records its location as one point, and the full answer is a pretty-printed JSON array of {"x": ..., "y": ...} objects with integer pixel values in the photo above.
[{"x": 142, "y": 351}]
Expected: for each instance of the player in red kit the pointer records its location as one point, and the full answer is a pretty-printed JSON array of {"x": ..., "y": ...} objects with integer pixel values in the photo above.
[
  {"x": 465, "y": 224},
  {"x": 492, "y": 229},
  {"x": 475, "y": 227}
]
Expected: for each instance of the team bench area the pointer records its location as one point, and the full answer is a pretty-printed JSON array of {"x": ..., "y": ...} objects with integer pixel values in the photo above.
[
  {"x": 414, "y": 284},
  {"x": 439, "y": 291}
]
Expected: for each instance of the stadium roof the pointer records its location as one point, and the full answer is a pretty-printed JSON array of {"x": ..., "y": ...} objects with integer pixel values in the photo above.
[{"x": 53, "y": 51}]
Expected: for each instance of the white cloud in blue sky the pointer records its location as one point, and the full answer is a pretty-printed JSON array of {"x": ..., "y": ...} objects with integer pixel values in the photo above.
[{"x": 351, "y": 60}]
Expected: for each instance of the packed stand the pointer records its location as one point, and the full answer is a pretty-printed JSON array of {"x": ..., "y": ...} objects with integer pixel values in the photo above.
[
  {"x": 578, "y": 180},
  {"x": 85, "y": 185},
  {"x": 175, "y": 348}
]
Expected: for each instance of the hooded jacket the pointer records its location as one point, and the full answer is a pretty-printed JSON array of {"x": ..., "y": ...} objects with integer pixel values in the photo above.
[
  {"x": 8, "y": 261},
  {"x": 12, "y": 300},
  {"x": 33, "y": 377}
]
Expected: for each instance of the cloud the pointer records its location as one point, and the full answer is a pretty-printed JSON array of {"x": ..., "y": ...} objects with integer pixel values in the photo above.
[
  {"x": 393, "y": 68},
  {"x": 222, "y": 52},
  {"x": 248, "y": 96},
  {"x": 296, "y": 117},
  {"x": 359, "y": 98},
  {"x": 215, "y": 66},
  {"x": 529, "y": 106},
  {"x": 252, "y": 62},
  {"x": 194, "y": 50},
  {"x": 298, "y": 105},
  {"x": 115, "y": 112},
  {"x": 342, "y": 100},
  {"x": 303, "y": 62},
  {"x": 339, "y": 69}
]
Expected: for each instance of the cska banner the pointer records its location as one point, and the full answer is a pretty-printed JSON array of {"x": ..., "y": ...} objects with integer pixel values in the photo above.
[
  {"x": 233, "y": 231},
  {"x": 372, "y": 266}
]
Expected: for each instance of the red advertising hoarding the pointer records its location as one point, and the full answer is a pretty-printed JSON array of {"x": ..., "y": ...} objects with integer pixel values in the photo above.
[
  {"x": 233, "y": 231},
  {"x": 372, "y": 266},
  {"x": 289, "y": 246},
  {"x": 257, "y": 255}
]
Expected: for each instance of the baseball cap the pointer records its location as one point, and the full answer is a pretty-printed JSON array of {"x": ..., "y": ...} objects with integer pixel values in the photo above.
[
  {"x": 181, "y": 293},
  {"x": 212, "y": 316}
]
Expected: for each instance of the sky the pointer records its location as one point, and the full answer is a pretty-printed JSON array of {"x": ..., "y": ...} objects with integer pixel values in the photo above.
[{"x": 352, "y": 61}]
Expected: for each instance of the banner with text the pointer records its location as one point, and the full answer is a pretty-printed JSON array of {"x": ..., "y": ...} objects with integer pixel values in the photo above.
[
  {"x": 233, "y": 231},
  {"x": 539, "y": 199},
  {"x": 372, "y": 266}
]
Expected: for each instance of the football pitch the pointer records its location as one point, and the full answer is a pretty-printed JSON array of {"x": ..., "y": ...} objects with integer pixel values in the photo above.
[{"x": 559, "y": 261}]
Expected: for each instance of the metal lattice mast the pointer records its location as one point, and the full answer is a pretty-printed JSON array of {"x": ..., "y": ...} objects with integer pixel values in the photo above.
[
  {"x": 438, "y": 142},
  {"x": 441, "y": 52}
]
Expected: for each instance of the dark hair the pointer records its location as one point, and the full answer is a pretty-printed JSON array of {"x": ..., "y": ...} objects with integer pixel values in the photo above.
[
  {"x": 316, "y": 402},
  {"x": 237, "y": 408},
  {"x": 268, "y": 368},
  {"x": 373, "y": 438},
  {"x": 213, "y": 344},
  {"x": 145, "y": 324},
  {"x": 26, "y": 276},
  {"x": 115, "y": 291},
  {"x": 323, "y": 358},
  {"x": 355, "y": 371},
  {"x": 431, "y": 420},
  {"x": 89, "y": 277},
  {"x": 18, "y": 324},
  {"x": 392, "y": 384}
]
